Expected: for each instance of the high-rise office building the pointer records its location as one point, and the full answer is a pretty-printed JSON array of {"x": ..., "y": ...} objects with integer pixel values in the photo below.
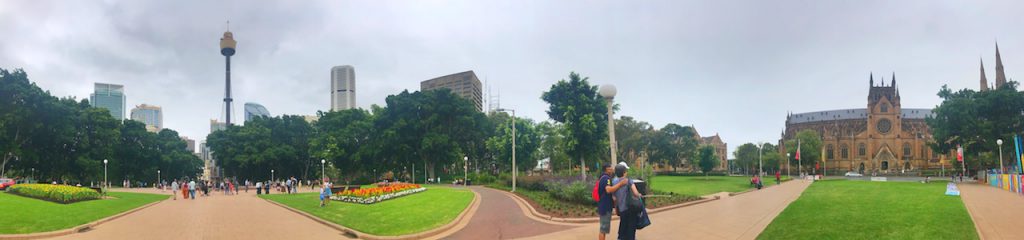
[
  {"x": 343, "y": 88},
  {"x": 217, "y": 126},
  {"x": 190, "y": 144},
  {"x": 253, "y": 110},
  {"x": 109, "y": 96},
  {"x": 465, "y": 84},
  {"x": 152, "y": 116}
]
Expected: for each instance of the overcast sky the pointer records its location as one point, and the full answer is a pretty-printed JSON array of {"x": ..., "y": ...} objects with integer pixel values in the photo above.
[{"x": 729, "y": 67}]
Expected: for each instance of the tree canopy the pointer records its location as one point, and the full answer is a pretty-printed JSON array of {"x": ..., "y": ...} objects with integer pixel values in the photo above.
[{"x": 576, "y": 104}]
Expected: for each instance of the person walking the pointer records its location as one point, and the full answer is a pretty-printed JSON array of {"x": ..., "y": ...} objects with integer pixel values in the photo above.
[
  {"x": 605, "y": 188},
  {"x": 247, "y": 186},
  {"x": 778, "y": 177},
  {"x": 259, "y": 188},
  {"x": 628, "y": 215},
  {"x": 184, "y": 189},
  {"x": 266, "y": 187},
  {"x": 174, "y": 189},
  {"x": 192, "y": 189}
]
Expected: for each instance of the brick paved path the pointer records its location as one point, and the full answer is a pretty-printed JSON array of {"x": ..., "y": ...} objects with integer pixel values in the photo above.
[
  {"x": 995, "y": 211},
  {"x": 740, "y": 217},
  {"x": 218, "y": 216},
  {"x": 499, "y": 217}
]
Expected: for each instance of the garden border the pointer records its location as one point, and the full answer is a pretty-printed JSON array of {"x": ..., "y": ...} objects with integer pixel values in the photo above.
[
  {"x": 76, "y": 229},
  {"x": 531, "y": 212},
  {"x": 460, "y": 221}
]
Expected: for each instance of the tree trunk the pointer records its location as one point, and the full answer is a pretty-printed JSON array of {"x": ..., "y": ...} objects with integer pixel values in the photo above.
[{"x": 583, "y": 171}]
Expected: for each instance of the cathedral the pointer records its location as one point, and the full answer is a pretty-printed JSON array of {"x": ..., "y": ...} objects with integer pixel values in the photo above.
[{"x": 882, "y": 138}]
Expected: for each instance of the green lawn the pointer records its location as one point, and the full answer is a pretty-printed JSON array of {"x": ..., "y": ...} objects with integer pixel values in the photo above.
[
  {"x": 405, "y": 215},
  {"x": 29, "y": 215},
  {"x": 840, "y": 209},
  {"x": 698, "y": 186}
]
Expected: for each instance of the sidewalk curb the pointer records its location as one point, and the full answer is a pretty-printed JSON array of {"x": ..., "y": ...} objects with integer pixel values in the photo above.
[
  {"x": 459, "y": 221},
  {"x": 977, "y": 228},
  {"x": 76, "y": 229},
  {"x": 531, "y": 212}
]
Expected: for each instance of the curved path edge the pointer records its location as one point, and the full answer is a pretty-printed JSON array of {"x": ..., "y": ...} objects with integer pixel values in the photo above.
[
  {"x": 76, "y": 229},
  {"x": 456, "y": 224},
  {"x": 532, "y": 212}
]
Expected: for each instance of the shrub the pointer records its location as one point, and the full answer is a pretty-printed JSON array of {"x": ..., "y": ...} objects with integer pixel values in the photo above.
[
  {"x": 55, "y": 193},
  {"x": 482, "y": 178},
  {"x": 576, "y": 192}
]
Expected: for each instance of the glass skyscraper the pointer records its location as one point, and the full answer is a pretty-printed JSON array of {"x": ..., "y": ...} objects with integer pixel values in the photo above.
[
  {"x": 255, "y": 110},
  {"x": 111, "y": 97},
  {"x": 151, "y": 115}
]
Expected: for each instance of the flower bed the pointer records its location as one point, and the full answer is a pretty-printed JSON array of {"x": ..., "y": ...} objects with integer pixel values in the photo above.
[
  {"x": 378, "y": 194},
  {"x": 55, "y": 193}
]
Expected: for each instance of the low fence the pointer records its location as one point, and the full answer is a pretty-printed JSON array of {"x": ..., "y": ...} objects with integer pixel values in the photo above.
[{"x": 1009, "y": 182}]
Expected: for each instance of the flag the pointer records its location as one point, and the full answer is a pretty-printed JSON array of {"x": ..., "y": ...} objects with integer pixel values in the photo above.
[
  {"x": 959, "y": 153},
  {"x": 798, "y": 149},
  {"x": 1020, "y": 159}
]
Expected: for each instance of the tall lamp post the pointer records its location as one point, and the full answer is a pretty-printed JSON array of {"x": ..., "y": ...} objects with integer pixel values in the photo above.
[
  {"x": 788, "y": 173},
  {"x": 608, "y": 92},
  {"x": 465, "y": 168},
  {"x": 514, "y": 169},
  {"x": 323, "y": 169},
  {"x": 271, "y": 175},
  {"x": 760, "y": 163},
  {"x": 1000, "y": 143},
  {"x": 105, "y": 184},
  {"x": 158, "y": 179}
]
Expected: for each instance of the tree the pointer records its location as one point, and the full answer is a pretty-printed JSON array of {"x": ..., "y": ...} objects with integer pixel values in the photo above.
[
  {"x": 634, "y": 138},
  {"x": 975, "y": 120},
  {"x": 707, "y": 159},
  {"x": 345, "y": 139},
  {"x": 746, "y": 157},
  {"x": 527, "y": 143},
  {"x": 553, "y": 145},
  {"x": 810, "y": 148},
  {"x": 576, "y": 104}
]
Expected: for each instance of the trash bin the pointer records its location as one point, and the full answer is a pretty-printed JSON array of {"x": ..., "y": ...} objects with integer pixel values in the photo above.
[{"x": 640, "y": 186}]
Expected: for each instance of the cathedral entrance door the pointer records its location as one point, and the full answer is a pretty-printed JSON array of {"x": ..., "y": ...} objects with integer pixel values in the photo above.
[
  {"x": 883, "y": 158},
  {"x": 861, "y": 168}
]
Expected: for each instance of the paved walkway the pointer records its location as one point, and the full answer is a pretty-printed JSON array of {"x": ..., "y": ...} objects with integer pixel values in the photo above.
[
  {"x": 740, "y": 217},
  {"x": 218, "y": 216},
  {"x": 993, "y": 210},
  {"x": 499, "y": 217}
]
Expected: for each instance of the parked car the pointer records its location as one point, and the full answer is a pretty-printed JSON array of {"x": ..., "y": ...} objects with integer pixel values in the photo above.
[
  {"x": 6, "y": 182},
  {"x": 854, "y": 174}
]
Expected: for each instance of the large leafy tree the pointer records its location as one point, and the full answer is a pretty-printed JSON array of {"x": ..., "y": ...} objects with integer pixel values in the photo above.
[
  {"x": 746, "y": 157},
  {"x": 263, "y": 144},
  {"x": 810, "y": 148},
  {"x": 345, "y": 139},
  {"x": 66, "y": 140},
  {"x": 527, "y": 143},
  {"x": 634, "y": 139},
  {"x": 975, "y": 120},
  {"x": 575, "y": 103}
]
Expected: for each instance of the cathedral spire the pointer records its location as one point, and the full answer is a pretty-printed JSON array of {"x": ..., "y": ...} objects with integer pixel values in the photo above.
[
  {"x": 893, "y": 79},
  {"x": 871, "y": 80},
  {"x": 984, "y": 81},
  {"x": 1000, "y": 75}
]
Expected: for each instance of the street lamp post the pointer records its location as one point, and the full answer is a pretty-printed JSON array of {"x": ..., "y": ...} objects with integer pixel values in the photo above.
[
  {"x": 271, "y": 175},
  {"x": 158, "y": 179},
  {"x": 1000, "y": 143},
  {"x": 105, "y": 183},
  {"x": 514, "y": 169},
  {"x": 323, "y": 169},
  {"x": 465, "y": 168},
  {"x": 788, "y": 173},
  {"x": 608, "y": 92}
]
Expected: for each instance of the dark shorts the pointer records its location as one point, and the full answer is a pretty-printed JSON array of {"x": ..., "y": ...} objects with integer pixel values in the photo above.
[{"x": 606, "y": 222}]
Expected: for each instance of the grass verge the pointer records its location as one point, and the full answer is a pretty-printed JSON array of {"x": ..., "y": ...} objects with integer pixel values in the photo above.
[
  {"x": 405, "y": 215},
  {"x": 30, "y": 215},
  {"x": 840, "y": 209}
]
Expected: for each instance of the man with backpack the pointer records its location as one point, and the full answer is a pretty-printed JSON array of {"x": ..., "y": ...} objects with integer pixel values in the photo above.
[{"x": 602, "y": 194}]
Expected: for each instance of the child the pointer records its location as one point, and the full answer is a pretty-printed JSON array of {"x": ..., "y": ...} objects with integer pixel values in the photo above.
[{"x": 325, "y": 195}]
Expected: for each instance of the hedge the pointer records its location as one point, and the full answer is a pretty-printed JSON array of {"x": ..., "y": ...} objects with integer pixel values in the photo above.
[{"x": 55, "y": 193}]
